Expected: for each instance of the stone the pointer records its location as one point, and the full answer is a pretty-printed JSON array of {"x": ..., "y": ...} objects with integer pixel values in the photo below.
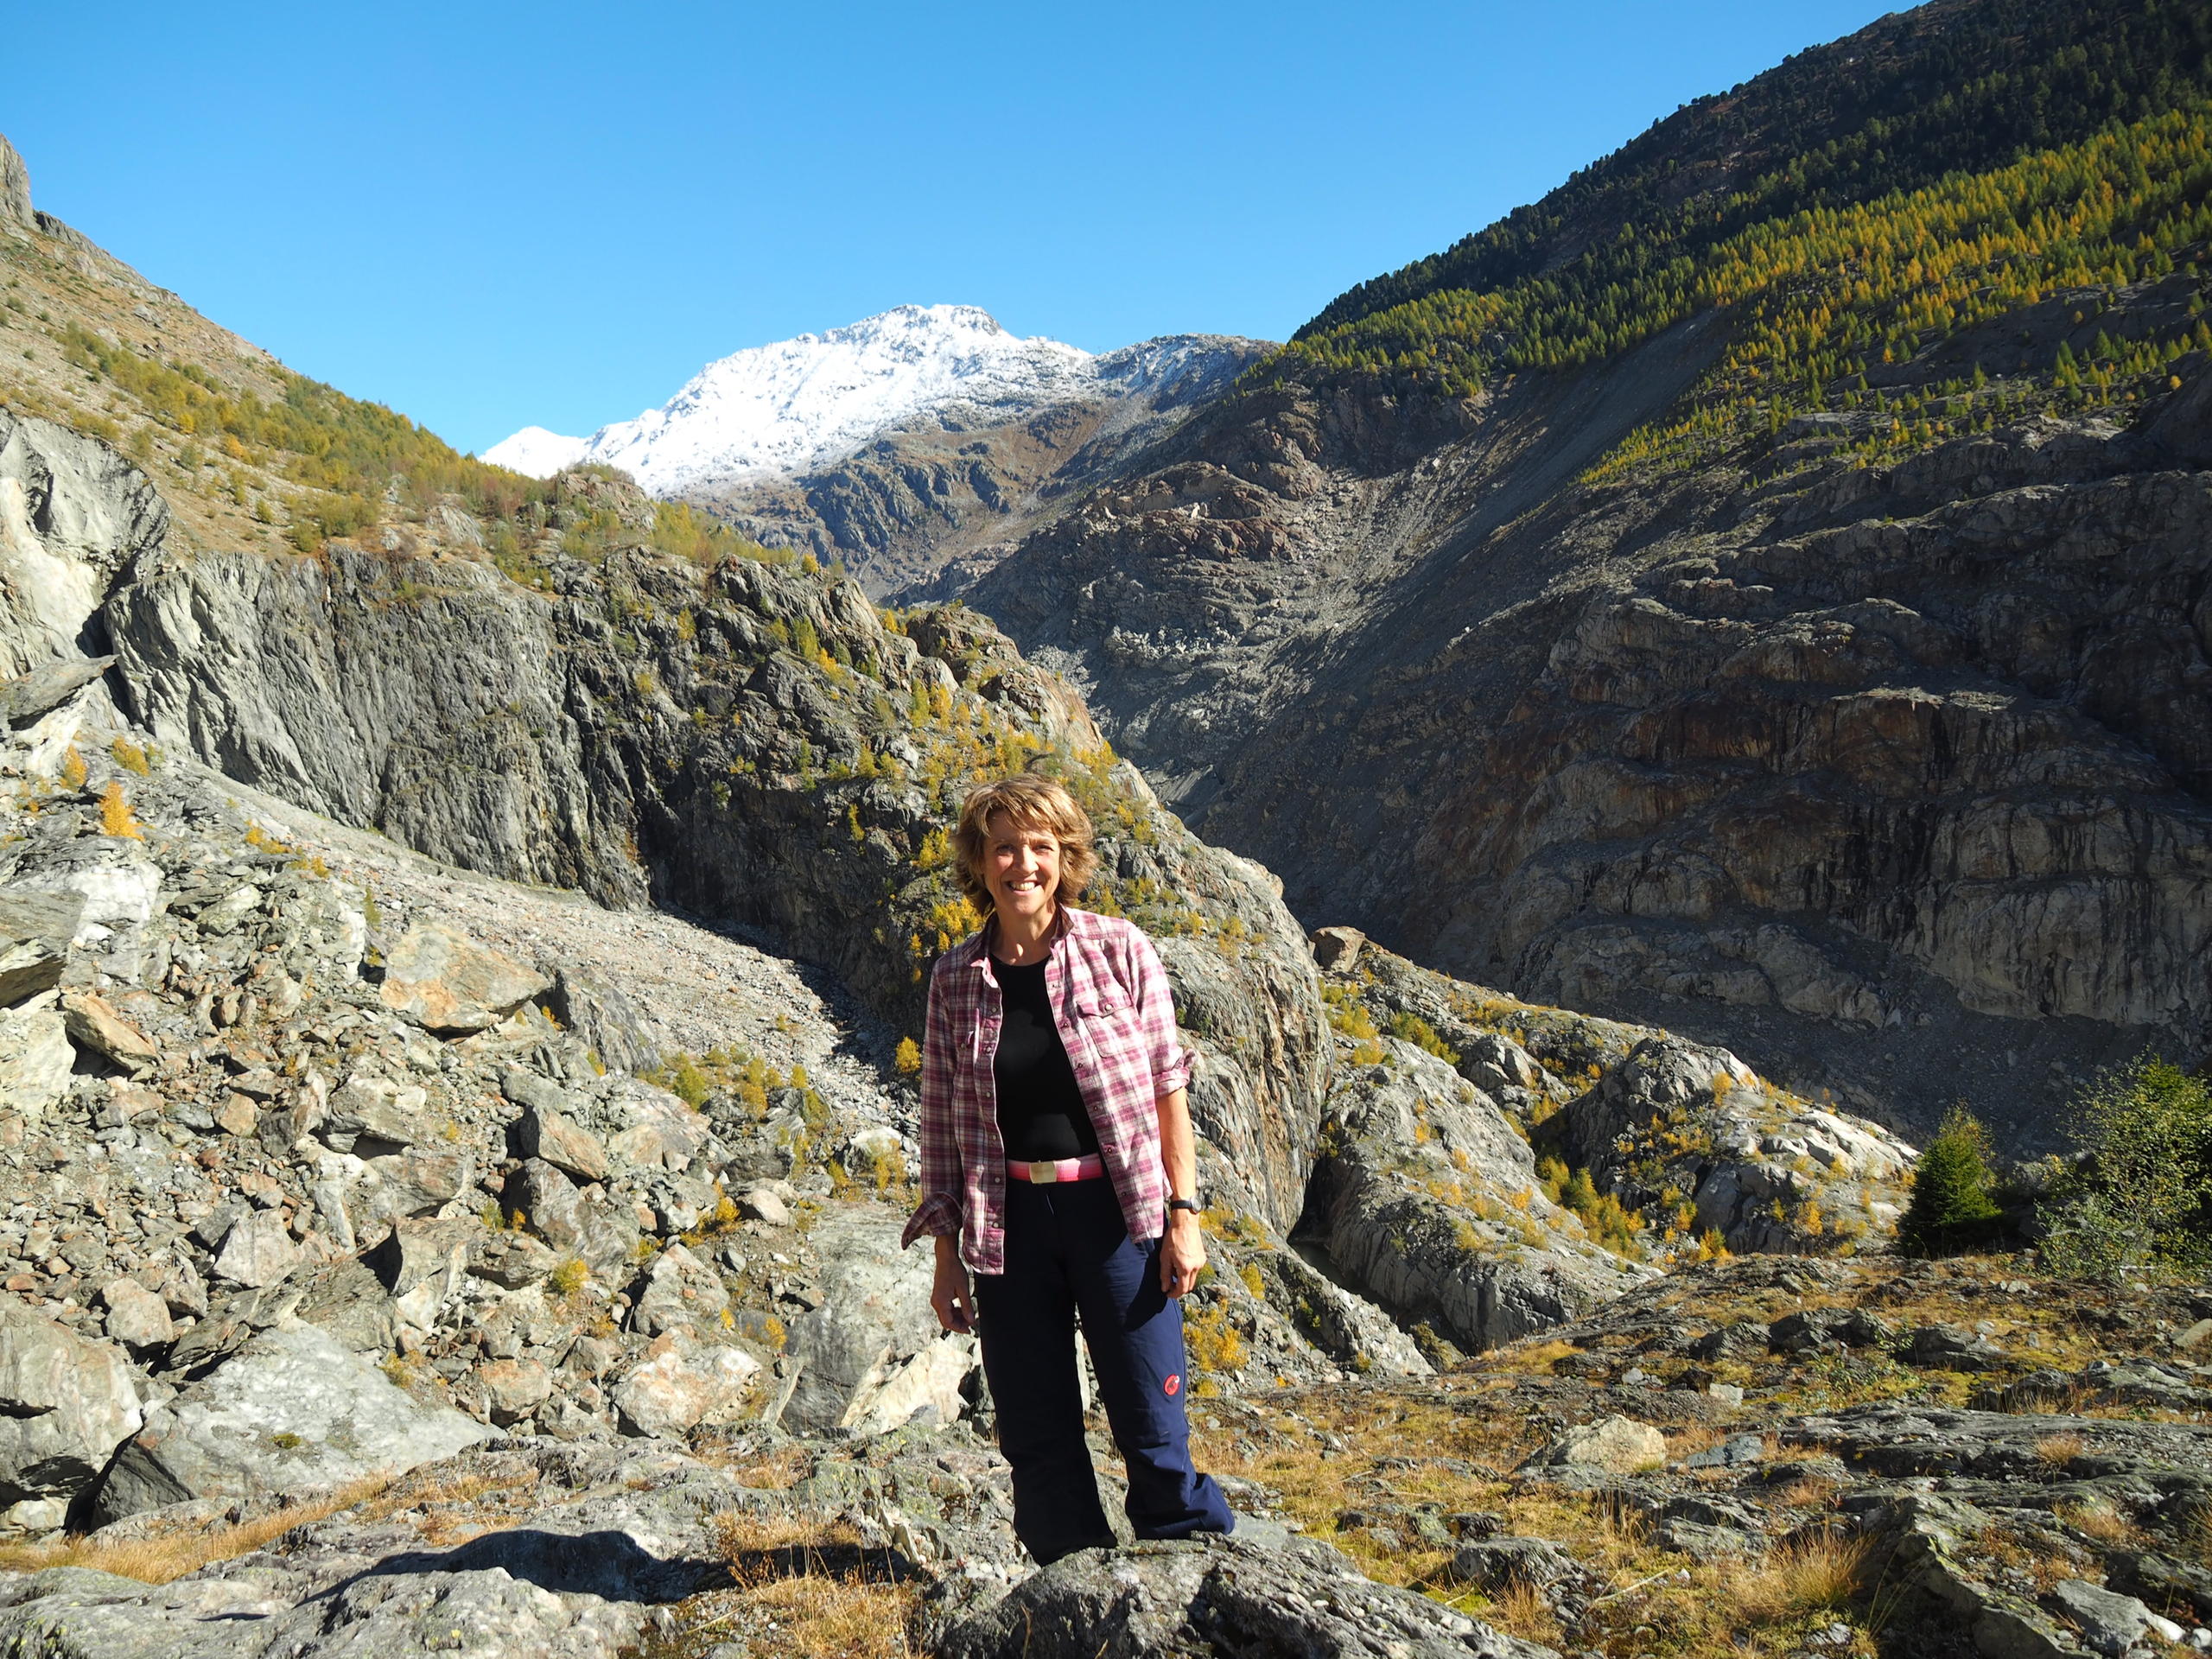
[
  {"x": 760, "y": 1203},
  {"x": 258, "y": 1250},
  {"x": 290, "y": 1411},
  {"x": 66, "y": 1403},
  {"x": 603, "y": 1236},
  {"x": 542, "y": 1133},
  {"x": 26, "y": 697},
  {"x": 1941, "y": 1347},
  {"x": 36, "y": 928},
  {"x": 681, "y": 1385},
  {"x": 136, "y": 1317},
  {"x": 1336, "y": 950},
  {"x": 377, "y": 1109},
  {"x": 238, "y": 1116},
  {"x": 94, "y": 1024},
  {"x": 513, "y": 1260},
  {"x": 2198, "y": 1336},
  {"x": 1491, "y": 1564},
  {"x": 2109, "y": 1622},
  {"x": 872, "y": 1317},
  {"x": 1736, "y": 1450},
  {"x": 680, "y": 1292},
  {"x": 449, "y": 984},
  {"x": 923, "y": 1388},
  {"x": 1219, "y": 1596},
  {"x": 35, "y": 1061},
  {"x": 514, "y": 1388},
  {"x": 419, "y": 1181},
  {"x": 422, "y": 1264},
  {"x": 1616, "y": 1445}
]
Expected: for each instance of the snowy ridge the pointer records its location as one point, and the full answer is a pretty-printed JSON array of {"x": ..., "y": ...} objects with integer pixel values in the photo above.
[{"x": 802, "y": 403}]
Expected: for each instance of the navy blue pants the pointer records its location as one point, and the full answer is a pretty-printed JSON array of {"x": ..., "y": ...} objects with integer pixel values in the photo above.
[{"x": 1068, "y": 1253}]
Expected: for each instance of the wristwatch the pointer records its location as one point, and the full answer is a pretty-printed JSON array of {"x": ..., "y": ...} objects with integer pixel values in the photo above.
[{"x": 1190, "y": 1205}]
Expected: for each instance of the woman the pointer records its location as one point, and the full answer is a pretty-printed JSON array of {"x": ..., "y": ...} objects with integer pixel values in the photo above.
[{"x": 1057, "y": 1164}]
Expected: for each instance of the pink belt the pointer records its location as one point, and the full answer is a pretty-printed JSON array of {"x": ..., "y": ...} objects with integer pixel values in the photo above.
[{"x": 1089, "y": 1167}]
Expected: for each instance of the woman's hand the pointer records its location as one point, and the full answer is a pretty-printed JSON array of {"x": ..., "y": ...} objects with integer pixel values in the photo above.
[
  {"x": 1182, "y": 1253},
  {"x": 952, "y": 1297}
]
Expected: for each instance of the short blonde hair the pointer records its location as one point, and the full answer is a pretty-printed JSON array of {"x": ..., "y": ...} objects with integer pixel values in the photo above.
[{"x": 1031, "y": 801}]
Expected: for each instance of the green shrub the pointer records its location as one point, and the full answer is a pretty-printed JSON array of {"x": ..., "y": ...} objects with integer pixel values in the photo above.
[
  {"x": 2140, "y": 1200},
  {"x": 1951, "y": 1207}
]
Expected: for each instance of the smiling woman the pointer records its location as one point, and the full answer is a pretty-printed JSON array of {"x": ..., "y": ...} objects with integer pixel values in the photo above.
[{"x": 1058, "y": 1169}]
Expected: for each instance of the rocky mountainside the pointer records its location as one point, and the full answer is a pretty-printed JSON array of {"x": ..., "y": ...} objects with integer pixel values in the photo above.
[
  {"x": 899, "y": 441},
  {"x": 456, "y": 936},
  {"x": 1800, "y": 645}
]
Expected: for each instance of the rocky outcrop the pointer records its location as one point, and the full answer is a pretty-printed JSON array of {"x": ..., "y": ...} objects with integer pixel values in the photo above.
[
  {"x": 1229, "y": 1596},
  {"x": 66, "y": 1403},
  {"x": 1427, "y": 1198}
]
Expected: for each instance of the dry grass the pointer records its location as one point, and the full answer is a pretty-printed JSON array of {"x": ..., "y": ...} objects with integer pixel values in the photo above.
[
  {"x": 2055, "y": 1452},
  {"x": 1811, "y": 1575},
  {"x": 1520, "y": 1610},
  {"x": 807, "y": 1589},
  {"x": 161, "y": 1558},
  {"x": 777, "y": 1471},
  {"x": 2104, "y": 1523}
]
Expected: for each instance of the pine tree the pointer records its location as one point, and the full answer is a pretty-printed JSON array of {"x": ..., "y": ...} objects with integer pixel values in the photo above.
[{"x": 1951, "y": 1207}]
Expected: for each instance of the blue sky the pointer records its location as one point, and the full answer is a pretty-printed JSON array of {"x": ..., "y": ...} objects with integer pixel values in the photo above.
[{"x": 493, "y": 215}]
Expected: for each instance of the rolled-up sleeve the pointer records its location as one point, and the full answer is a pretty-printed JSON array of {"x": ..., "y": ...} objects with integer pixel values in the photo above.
[
  {"x": 939, "y": 1211},
  {"x": 1171, "y": 1061}
]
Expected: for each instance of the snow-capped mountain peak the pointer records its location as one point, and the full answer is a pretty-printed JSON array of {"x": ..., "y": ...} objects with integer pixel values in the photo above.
[{"x": 802, "y": 403}]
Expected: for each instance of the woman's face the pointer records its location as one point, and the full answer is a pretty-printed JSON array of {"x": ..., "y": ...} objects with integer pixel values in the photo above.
[{"x": 1021, "y": 868}]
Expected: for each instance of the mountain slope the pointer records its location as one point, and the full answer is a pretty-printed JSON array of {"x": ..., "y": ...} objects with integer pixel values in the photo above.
[{"x": 1795, "y": 636}]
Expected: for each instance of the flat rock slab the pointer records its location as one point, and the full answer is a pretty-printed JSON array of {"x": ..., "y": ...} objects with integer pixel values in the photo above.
[
  {"x": 1220, "y": 1596},
  {"x": 292, "y": 1410}
]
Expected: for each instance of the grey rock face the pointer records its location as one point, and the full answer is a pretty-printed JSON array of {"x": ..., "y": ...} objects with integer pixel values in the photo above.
[
  {"x": 1429, "y": 1202},
  {"x": 1221, "y": 1597},
  {"x": 65, "y": 1404},
  {"x": 292, "y": 1410}
]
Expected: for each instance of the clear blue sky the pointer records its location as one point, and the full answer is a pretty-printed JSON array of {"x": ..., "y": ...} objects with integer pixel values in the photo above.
[{"x": 492, "y": 215}]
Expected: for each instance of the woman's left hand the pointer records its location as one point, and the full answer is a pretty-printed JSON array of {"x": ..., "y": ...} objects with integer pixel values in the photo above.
[{"x": 1182, "y": 1253}]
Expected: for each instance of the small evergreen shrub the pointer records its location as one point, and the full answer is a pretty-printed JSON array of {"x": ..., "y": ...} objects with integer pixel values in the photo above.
[{"x": 1951, "y": 1208}]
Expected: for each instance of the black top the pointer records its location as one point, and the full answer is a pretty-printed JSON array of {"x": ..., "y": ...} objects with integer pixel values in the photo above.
[{"x": 1041, "y": 1114}]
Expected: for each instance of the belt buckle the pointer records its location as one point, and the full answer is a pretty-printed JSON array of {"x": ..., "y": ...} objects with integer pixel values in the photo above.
[{"x": 1043, "y": 1172}]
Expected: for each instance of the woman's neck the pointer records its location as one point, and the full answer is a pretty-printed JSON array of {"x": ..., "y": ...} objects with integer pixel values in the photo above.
[{"x": 1021, "y": 939}]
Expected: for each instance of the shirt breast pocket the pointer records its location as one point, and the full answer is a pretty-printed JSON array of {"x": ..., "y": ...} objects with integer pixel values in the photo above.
[{"x": 1110, "y": 1024}]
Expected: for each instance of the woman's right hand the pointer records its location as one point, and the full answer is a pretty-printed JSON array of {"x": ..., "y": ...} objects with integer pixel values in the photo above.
[{"x": 952, "y": 1297}]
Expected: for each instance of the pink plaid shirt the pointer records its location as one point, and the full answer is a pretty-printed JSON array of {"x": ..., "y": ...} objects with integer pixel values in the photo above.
[{"x": 1110, "y": 1002}]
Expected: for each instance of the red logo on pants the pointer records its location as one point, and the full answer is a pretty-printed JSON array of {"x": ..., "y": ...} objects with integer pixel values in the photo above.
[{"x": 1173, "y": 1385}]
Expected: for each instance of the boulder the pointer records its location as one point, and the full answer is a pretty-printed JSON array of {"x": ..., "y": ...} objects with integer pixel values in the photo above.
[
  {"x": 1616, "y": 1445},
  {"x": 681, "y": 1292},
  {"x": 449, "y": 984},
  {"x": 66, "y": 1404},
  {"x": 1336, "y": 950},
  {"x": 2109, "y": 1622},
  {"x": 422, "y": 1264},
  {"x": 377, "y": 1109},
  {"x": 682, "y": 1384},
  {"x": 874, "y": 1317},
  {"x": 291, "y": 1411},
  {"x": 94, "y": 1024},
  {"x": 35, "y": 1061},
  {"x": 1491, "y": 1564},
  {"x": 36, "y": 928},
  {"x": 136, "y": 1317},
  {"x": 512, "y": 1261},
  {"x": 514, "y": 1388},
  {"x": 1221, "y": 1596},
  {"x": 544, "y": 1133},
  {"x": 258, "y": 1250},
  {"x": 604, "y": 1236},
  {"x": 26, "y": 697}
]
